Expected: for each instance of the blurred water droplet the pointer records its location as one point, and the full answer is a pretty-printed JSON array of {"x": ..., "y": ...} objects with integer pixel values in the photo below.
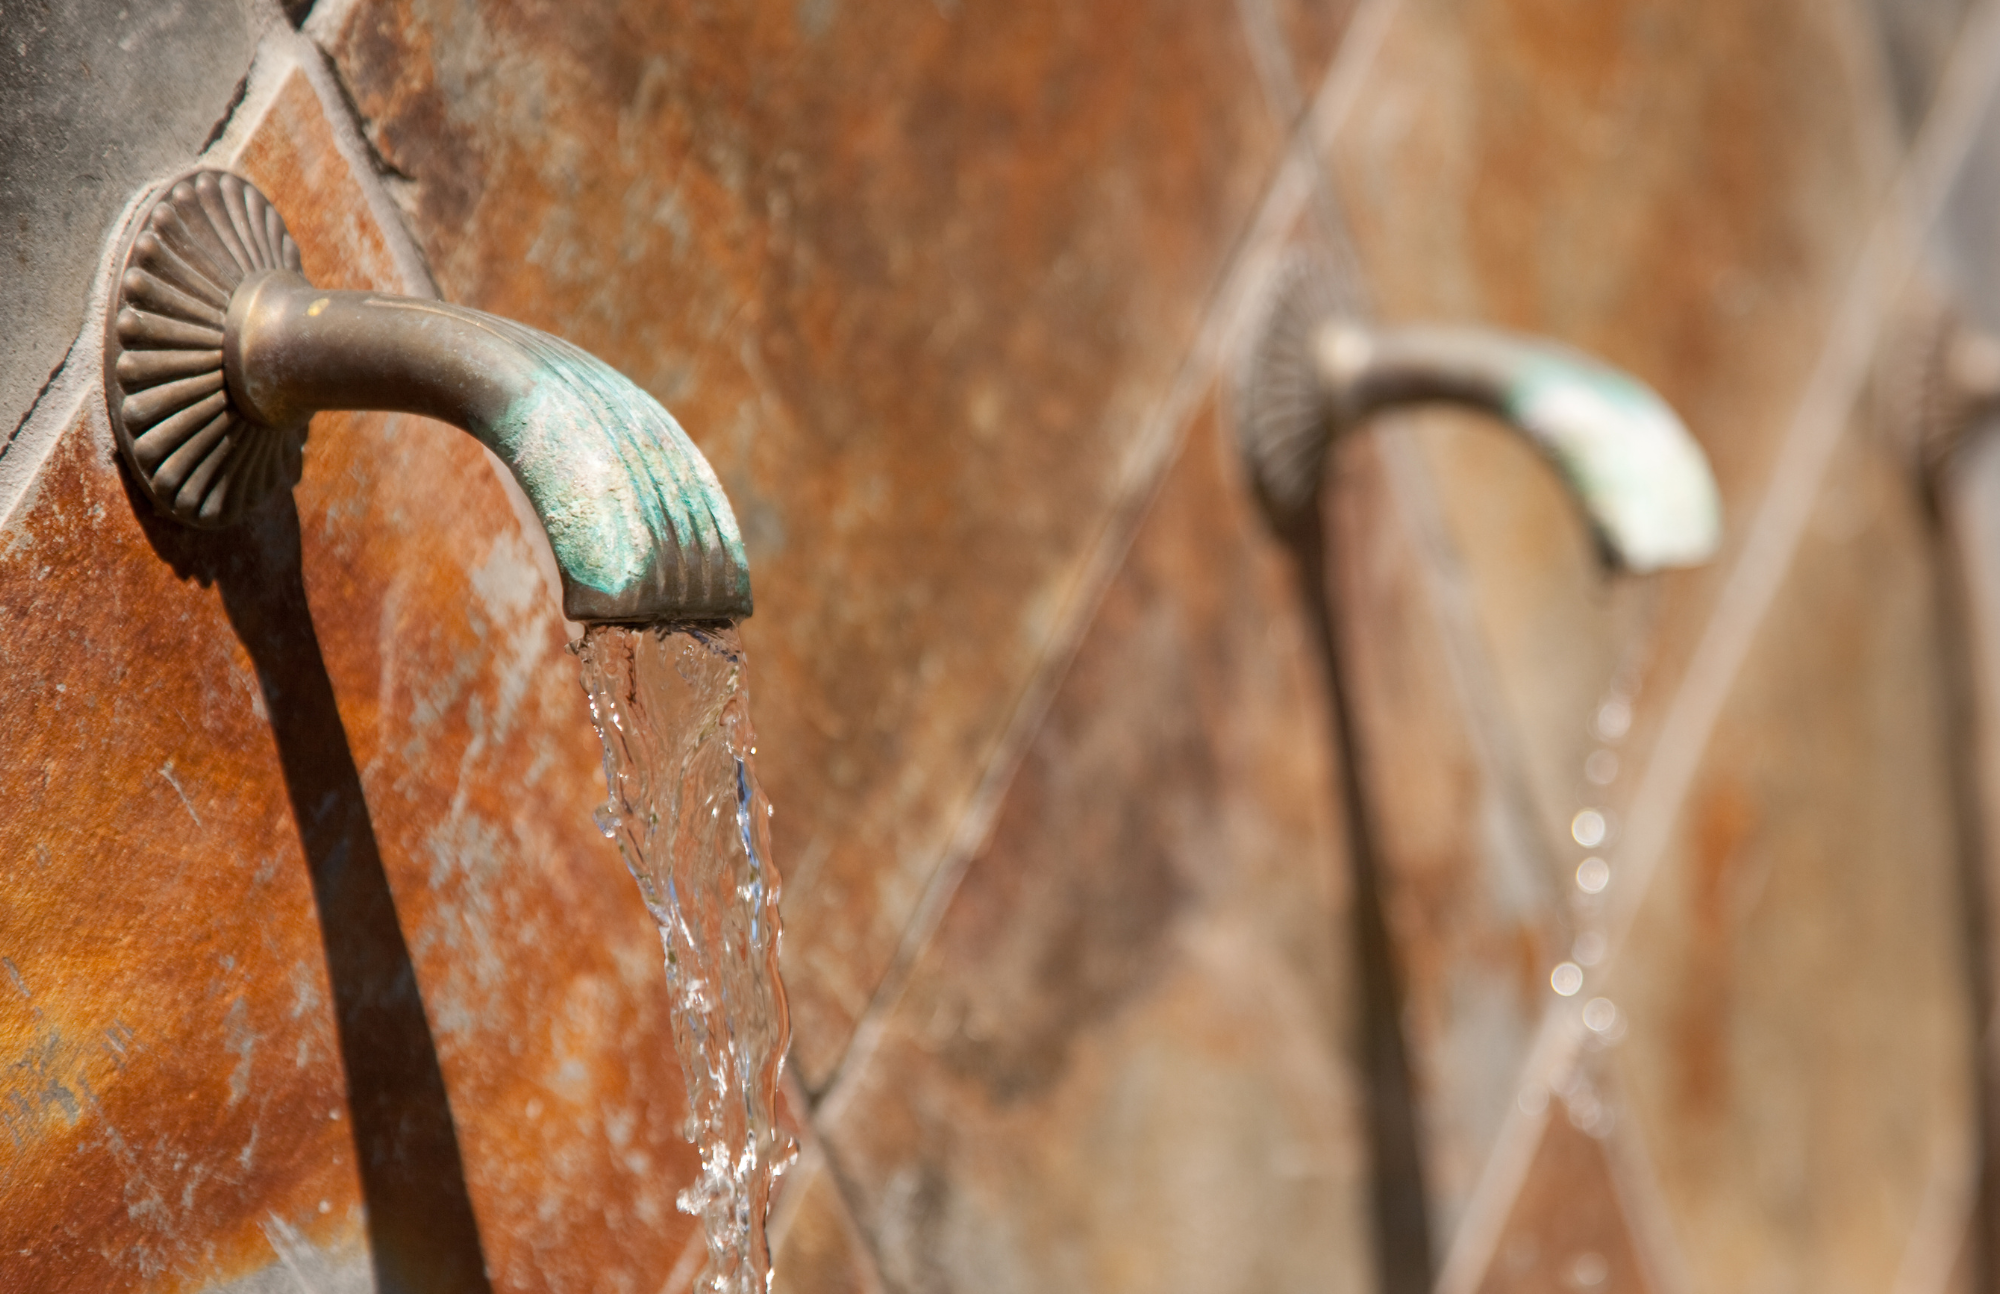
[
  {"x": 1566, "y": 979},
  {"x": 1588, "y": 1270},
  {"x": 1614, "y": 719},
  {"x": 1522, "y": 1252},
  {"x": 1601, "y": 767},
  {"x": 1589, "y": 948},
  {"x": 1592, "y": 875},
  {"x": 1589, "y": 828},
  {"x": 1600, "y": 1014},
  {"x": 1587, "y": 1113}
]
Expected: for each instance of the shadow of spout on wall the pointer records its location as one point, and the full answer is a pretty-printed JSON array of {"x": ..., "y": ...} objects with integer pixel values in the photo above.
[
  {"x": 422, "y": 1233},
  {"x": 1403, "y": 1259}
]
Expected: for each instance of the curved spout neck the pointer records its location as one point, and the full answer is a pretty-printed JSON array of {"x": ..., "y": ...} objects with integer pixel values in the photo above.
[
  {"x": 1637, "y": 474},
  {"x": 640, "y": 527}
]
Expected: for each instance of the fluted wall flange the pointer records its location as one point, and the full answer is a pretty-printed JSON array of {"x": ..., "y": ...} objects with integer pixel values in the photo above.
[{"x": 194, "y": 451}]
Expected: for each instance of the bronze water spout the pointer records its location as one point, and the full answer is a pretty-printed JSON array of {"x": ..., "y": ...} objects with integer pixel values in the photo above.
[{"x": 218, "y": 351}]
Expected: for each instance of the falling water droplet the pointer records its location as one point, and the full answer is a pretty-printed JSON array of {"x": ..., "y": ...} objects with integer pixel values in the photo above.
[
  {"x": 1589, "y": 828},
  {"x": 1592, "y": 875},
  {"x": 1613, "y": 719},
  {"x": 1589, "y": 948},
  {"x": 1600, "y": 1014},
  {"x": 1588, "y": 1270},
  {"x": 1566, "y": 979},
  {"x": 1600, "y": 768}
]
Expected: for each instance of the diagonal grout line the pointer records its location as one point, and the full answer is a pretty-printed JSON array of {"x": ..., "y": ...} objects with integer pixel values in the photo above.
[
  {"x": 1814, "y": 432},
  {"x": 1942, "y": 1226},
  {"x": 1528, "y": 855},
  {"x": 680, "y": 1279},
  {"x": 1248, "y": 268},
  {"x": 1642, "y": 1202},
  {"x": 1817, "y": 423},
  {"x": 1272, "y": 57}
]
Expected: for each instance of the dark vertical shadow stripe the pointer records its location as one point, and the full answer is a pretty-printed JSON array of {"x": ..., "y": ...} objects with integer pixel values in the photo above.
[
  {"x": 1401, "y": 1213},
  {"x": 422, "y": 1233}
]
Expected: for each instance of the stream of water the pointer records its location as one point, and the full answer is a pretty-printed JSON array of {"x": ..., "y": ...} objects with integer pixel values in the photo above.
[{"x": 693, "y": 825}]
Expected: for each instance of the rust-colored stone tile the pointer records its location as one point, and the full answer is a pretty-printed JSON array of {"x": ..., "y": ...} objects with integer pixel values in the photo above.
[
  {"x": 822, "y": 1251},
  {"x": 1568, "y": 1229},
  {"x": 1120, "y": 1064},
  {"x": 1681, "y": 188},
  {"x": 1311, "y": 31},
  {"x": 172, "y": 1078},
  {"x": 1961, "y": 1279},
  {"x": 914, "y": 277},
  {"x": 289, "y": 153},
  {"x": 1800, "y": 1056},
  {"x": 310, "y": 939}
]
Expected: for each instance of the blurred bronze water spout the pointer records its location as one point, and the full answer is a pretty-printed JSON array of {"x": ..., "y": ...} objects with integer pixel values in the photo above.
[{"x": 1317, "y": 371}]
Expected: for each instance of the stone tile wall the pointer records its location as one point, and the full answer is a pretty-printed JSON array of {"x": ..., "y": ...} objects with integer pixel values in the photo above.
[{"x": 320, "y": 978}]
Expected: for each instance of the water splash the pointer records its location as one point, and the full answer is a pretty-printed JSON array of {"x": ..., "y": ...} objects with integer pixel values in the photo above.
[{"x": 693, "y": 825}]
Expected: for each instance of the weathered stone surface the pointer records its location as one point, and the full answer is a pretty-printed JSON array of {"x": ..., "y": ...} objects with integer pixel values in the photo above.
[
  {"x": 1312, "y": 31},
  {"x": 1119, "y": 1065},
  {"x": 913, "y": 277},
  {"x": 100, "y": 96},
  {"x": 173, "y": 1081},
  {"x": 1569, "y": 1228},
  {"x": 1295, "y": 42},
  {"x": 822, "y": 1251},
  {"x": 1916, "y": 38},
  {"x": 359, "y": 706},
  {"x": 1796, "y": 985}
]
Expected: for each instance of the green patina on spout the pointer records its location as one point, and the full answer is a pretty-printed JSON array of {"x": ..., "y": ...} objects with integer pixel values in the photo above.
[
  {"x": 632, "y": 509},
  {"x": 1638, "y": 476},
  {"x": 641, "y": 529},
  {"x": 1635, "y": 470}
]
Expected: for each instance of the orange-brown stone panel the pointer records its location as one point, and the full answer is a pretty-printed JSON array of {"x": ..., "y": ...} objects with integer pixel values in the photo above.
[
  {"x": 1800, "y": 1050},
  {"x": 1120, "y": 1064},
  {"x": 173, "y": 1073},
  {"x": 313, "y": 941},
  {"x": 913, "y": 276}
]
